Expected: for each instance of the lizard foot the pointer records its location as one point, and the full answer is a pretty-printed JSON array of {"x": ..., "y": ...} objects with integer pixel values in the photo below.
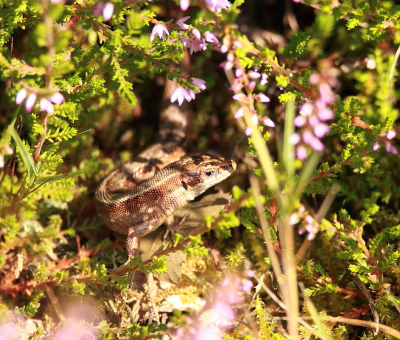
[
  {"x": 174, "y": 227},
  {"x": 132, "y": 243}
]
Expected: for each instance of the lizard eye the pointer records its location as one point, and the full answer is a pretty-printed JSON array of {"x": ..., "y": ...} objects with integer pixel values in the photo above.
[{"x": 209, "y": 173}]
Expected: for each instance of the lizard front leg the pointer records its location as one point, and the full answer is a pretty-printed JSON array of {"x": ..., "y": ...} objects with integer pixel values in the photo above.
[{"x": 135, "y": 233}]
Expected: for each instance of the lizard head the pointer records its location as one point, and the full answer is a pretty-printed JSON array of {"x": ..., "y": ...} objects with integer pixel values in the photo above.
[{"x": 200, "y": 172}]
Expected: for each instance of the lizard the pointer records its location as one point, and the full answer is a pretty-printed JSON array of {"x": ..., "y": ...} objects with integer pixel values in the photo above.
[
  {"x": 137, "y": 211},
  {"x": 141, "y": 195}
]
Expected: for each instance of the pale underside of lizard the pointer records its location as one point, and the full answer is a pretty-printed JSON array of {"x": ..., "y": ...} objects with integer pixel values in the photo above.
[{"x": 140, "y": 196}]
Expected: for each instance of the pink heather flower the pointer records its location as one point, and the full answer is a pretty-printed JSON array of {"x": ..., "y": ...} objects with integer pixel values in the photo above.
[
  {"x": 317, "y": 145},
  {"x": 239, "y": 113},
  {"x": 314, "y": 78},
  {"x": 181, "y": 94},
  {"x": 225, "y": 312},
  {"x": 186, "y": 42},
  {"x": 294, "y": 219},
  {"x": 238, "y": 72},
  {"x": 181, "y": 21},
  {"x": 252, "y": 84},
  {"x": 308, "y": 137},
  {"x": 21, "y": 95},
  {"x": 30, "y": 101},
  {"x": 217, "y": 5},
  {"x": 254, "y": 75},
  {"x": 159, "y": 30},
  {"x": 205, "y": 332},
  {"x": 313, "y": 121},
  {"x": 391, "y": 134},
  {"x": 299, "y": 121},
  {"x": 294, "y": 139},
  {"x": 264, "y": 78},
  {"x": 249, "y": 273},
  {"x": 325, "y": 113},
  {"x": 184, "y": 5},
  {"x": 226, "y": 65},
  {"x": 321, "y": 129},
  {"x": 8, "y": 330},
  {"x": 390, "y": 148},
  {"x": 267, "y": 122},
  {"x": 307, "y": 109},
  {"x": 108, "y": 10},
  {"x": 301, "y": 152},
  {"x": 375, "y": 146},
  {"x": 326, "y": 93},
  {"x": 57, "y": 98},
  {"x": 196, "y": 33},
  {"x": 197, "y": 45},
  {"x": 240, "y": 97},
  {"x": 230, "y": 57},
  {"x": 247, "y": 131},
  {"x": 98, "y": 9},
  {"x": 262, "y": 98},
  {"x": 45, "y": 105},
  {"x": 229, "y": 295},
  {"x": 57, "y": 1},
  {"x": 211, "y": 38},
  {"x": 200, "y": 83}
]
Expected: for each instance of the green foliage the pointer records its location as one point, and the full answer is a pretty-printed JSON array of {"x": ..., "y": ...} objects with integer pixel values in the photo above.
[
  {"x": 158, "y": 265},
  {"x": 296, "y": 46}
]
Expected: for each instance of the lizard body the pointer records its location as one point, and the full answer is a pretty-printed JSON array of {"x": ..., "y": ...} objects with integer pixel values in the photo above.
[
  {"x": 139, "y": 196},
  {"x": 139, "y": 210}
]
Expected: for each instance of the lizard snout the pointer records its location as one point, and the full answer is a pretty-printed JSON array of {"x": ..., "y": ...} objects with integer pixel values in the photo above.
[{"x": 229, "y": 166}]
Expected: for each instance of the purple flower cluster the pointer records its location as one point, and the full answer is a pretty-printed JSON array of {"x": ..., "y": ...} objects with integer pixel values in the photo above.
[
  {"x": 213, "y": 5},
  {"x": 107, "y": 9},
  {"x": 247, "y": 81},
  {"x": 181, "y": 93},
  {"x": 159, "y": 30},
  {"x": 45, "y": 103},
  {"x": 309, "y": 224},
  {"x": 313, "y": 115},
  {"x": 220, "y": 312},
  {"x": 389, "y": 147},
  {"x": 195, "y": 42}
]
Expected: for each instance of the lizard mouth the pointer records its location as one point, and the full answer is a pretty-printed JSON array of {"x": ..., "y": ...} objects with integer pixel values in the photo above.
[{"x": 230, "y": 166}]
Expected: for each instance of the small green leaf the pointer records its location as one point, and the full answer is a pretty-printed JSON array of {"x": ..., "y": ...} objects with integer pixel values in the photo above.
[
  {"x": 282, "y": 81},
  {"x": 177, "y": 238},
  {"x": 58, "y": 177},
  {"x": 297, "y": 45},
  {"x": 25, "y": 155}
]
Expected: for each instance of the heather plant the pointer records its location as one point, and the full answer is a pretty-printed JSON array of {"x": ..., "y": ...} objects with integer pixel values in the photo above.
[{"x": 308, "y": 243}]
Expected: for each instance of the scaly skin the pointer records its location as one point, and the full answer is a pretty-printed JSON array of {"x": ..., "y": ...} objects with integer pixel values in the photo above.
[{"x": 138, "y": 210}]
